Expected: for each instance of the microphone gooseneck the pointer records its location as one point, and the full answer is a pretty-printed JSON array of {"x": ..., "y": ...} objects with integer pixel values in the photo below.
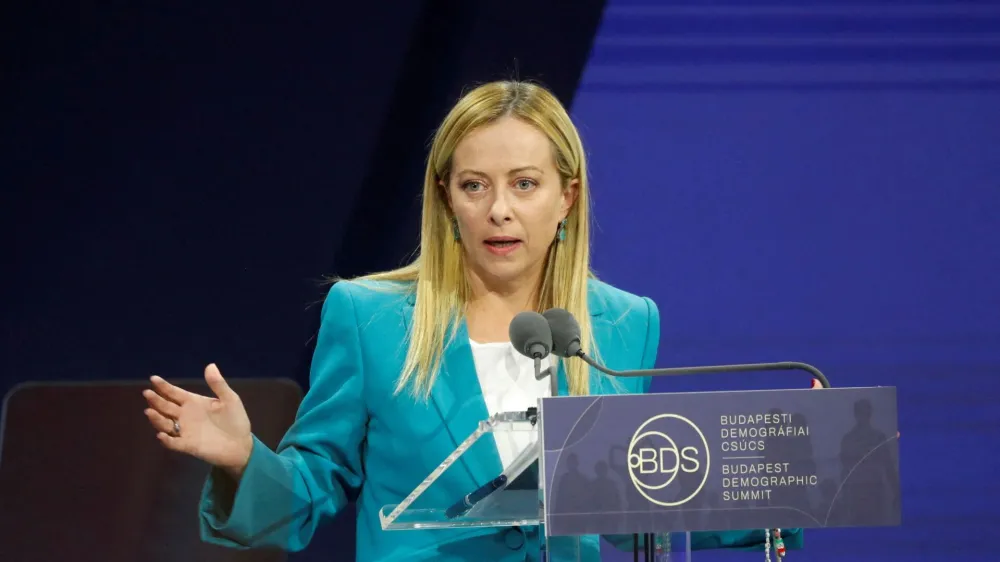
[
  {"x": 566, "y": 343},
  {"x": 711, "y": 369}
]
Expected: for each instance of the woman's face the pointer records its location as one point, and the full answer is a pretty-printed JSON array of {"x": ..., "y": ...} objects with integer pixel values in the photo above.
[{"x": 508, "y": 199}]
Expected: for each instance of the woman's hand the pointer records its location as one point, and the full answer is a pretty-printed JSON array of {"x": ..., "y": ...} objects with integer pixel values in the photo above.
[{"x": 215, "y": 430}]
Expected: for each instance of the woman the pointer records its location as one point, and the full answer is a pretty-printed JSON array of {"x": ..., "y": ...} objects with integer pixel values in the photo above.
[{"x": 504, "y": 229}]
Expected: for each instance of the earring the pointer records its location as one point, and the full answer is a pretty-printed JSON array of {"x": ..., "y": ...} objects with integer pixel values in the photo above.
[
  {"x": 454, "y": 229},
  {"x": 561, "y": 233}
]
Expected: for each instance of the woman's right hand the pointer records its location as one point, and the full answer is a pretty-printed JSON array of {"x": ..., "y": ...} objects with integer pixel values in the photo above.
[{"x": 215, "y": 430}]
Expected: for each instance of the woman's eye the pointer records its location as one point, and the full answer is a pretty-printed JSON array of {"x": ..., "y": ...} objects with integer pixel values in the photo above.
[
  {"x": 525, "y": 184},
  {"x": 472, "y": 186}
]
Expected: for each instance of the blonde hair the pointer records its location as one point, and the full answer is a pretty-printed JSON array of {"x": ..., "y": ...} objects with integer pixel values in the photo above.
[{"x": 438, "y": 274}]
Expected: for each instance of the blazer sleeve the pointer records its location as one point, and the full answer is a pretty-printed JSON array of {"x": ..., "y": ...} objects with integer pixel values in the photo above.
[
  {"x": 700, "y": 540},
  {"x": 317, "y": 468},
  {"x": 652, "y": 341}
]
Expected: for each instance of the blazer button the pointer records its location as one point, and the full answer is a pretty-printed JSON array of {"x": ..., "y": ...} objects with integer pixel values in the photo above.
[{"x": 513, "y": 538}]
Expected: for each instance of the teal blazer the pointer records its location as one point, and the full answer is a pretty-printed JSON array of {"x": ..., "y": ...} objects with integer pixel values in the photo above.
[{"x": 354, "y": 439}]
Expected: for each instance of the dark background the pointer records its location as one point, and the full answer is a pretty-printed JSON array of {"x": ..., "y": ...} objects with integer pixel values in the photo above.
[
  {"x": 808, "y": 180},
  {"x": 179, "y": 178}
]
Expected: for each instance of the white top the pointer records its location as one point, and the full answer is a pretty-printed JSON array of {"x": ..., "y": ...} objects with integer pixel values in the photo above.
[{"x": 508, "y": 382}]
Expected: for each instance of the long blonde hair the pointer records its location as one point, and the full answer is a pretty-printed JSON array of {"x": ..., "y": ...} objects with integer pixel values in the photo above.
[{"x": 437, "y": 274}]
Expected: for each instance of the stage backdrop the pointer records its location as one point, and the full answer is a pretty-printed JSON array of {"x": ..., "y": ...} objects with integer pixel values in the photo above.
[{"x": 818, "y": 181}]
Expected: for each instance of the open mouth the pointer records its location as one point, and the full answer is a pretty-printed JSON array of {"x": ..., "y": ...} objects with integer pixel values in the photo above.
[{"x": 502, "y": 243}]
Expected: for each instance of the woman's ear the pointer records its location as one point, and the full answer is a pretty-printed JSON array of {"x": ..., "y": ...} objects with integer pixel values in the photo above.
[
  {"x": 569, "y": 196},
  {"x": 446, "y": 192}
]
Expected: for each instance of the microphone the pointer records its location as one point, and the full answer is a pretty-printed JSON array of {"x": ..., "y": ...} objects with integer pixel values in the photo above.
[
  {"x": 565, "y": 331},
  {"x": 532, "y": 337}
]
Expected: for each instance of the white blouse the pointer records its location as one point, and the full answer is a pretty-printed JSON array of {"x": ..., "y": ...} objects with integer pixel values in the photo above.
[{"x": 508, "y": 382}]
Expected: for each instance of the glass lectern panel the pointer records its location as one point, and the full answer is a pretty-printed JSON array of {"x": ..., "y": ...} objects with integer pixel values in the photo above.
[{"x": 449, "y": 498}]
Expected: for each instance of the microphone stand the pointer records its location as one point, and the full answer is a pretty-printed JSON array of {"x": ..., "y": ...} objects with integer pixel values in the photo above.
[{"x": 553, "y": 381}]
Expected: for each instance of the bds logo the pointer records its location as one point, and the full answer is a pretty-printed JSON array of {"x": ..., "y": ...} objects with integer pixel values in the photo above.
[{"x": 668, "y": 460}]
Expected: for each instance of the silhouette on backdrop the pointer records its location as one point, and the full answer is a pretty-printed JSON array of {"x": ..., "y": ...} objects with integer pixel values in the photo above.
[{"x": 867, "y": 470}]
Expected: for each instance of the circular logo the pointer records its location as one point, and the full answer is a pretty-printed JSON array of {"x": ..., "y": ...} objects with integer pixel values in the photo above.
[{"x": 668, "y": 460}]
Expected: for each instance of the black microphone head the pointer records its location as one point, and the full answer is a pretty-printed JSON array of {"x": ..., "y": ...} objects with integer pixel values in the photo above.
[
  {"x": 565, "y": 332},
  {"x": 531, "y": 335}
]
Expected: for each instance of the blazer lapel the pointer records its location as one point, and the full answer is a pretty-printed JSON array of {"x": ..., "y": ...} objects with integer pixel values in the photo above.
[
  {"x": 458, "y": 398},
  {"x": 602, "y": 329}
]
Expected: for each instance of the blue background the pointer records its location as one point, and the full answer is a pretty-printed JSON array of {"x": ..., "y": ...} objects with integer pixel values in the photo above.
[{"x": 785, "y": 188}]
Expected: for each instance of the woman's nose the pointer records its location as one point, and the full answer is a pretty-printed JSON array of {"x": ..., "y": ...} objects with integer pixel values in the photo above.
[{"x": 500, "y": 210}]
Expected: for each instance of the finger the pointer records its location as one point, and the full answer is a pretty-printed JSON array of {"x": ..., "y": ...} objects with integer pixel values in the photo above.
[
  {"x": 218, "y": 384},
  {"x": 161, "y": 404},
  {"x": 172, "y": 443},
  {"x": 816, "y": 384},
  {"x": 173, "y": 393},
  {"x": 159, "y": 421}
]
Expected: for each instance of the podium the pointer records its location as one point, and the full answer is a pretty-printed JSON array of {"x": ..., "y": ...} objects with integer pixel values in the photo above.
[{"x": 710, "y": 467}]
